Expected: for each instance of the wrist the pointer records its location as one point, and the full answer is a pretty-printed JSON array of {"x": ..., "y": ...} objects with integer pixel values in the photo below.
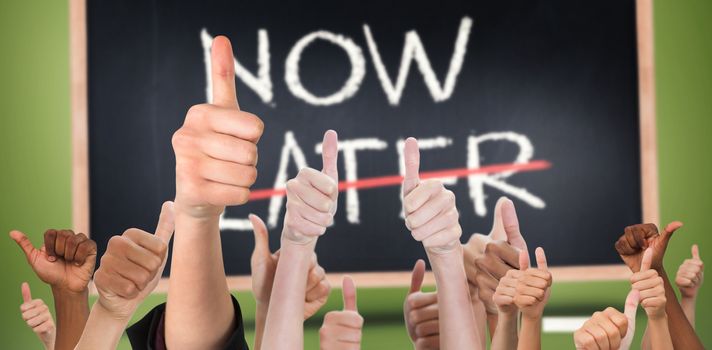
[
  {"x": 63, "y": 294},
  {"x": 106, "y": 312},
  {"x": 535, "y": 317},
  {"x": 658, "y": 317},
  {"x": 206, "y": 213},
  {"x": 507, "y": 315}
]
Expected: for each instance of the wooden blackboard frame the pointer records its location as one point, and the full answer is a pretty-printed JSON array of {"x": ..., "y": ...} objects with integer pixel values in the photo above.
[{"x": 648, "y": 156}]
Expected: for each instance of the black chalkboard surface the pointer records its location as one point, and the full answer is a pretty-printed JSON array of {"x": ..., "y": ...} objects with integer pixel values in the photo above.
[{"x": 542, "y": 95}]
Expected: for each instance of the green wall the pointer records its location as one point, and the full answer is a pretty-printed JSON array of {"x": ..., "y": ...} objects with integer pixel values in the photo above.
[{"x": 35, "y": 157}]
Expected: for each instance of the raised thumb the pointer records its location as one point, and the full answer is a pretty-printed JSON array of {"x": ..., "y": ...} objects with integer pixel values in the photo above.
[{"x": 417, "y": 277}]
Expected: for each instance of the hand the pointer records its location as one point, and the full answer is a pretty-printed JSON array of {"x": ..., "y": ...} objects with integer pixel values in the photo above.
[
  {"x": 312, "y": 197},
  {"x": 534, "y": 285},
  {"x": 342, "y": 329},
  {"x": 420, "y": 311},
  {"x": 38, "y": 317},
  {"x": 650, "y": 286},
  {"x": 639, "y": 237},
  {"x": 430, "y": 212},
  {"x": 132, "y": 266},
  {"x": 690, "y": 275},
  {"x": 503, "y": 296},
  {"x": 499, "y": 258},
  {"x": 66, "y": 260},
  {"x": 609, "y": 329},
  {"x": 216, "y": 148},
  {"x": 264, "y": 265}
]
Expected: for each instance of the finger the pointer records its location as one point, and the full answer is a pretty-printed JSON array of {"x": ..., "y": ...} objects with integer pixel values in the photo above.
[
  {"x": 26, "y": 294},
  {"x": 330, "y": 154},
  {"x": 411, "y": 155},
  {"x": 511, "y": 225},
  {"x": 261, "y": 235},
  {"x": 669, "y": 230},
  {"x": 417, "y": 277},
  {"x": 145, "y": 240},
  {"x": 86, "y": 251},
  {"x": 50, "y": 236},
  {"x": 23, "y": 242},
  {"x": 349, "y": 292},
  {"x": 647, "y": 260},
  {"x": 166, "y": 222},
  {"x": 523, "y": 260},
  {"x": 223, "y": 73},
  {"x": 541, "y": 259},
  {"x": 60, "y": 245},
  {"x": 420, "y": 300},
  {"x": 71, "y": 245},
  {"x": 498, "y": 232},
  {"x": 696, "y": 252}
]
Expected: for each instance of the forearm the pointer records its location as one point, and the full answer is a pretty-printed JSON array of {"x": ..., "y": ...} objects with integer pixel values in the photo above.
[
  {"x": 103, "y": 330},
  {"x": 199, "y": 310},
  {"x": 492, "y": 320},
  {"x": 260, "y": 320},
  {"x": 72, "y": 311},
  {"x": 284, "y": 327},
  {"x": 660, "y": 334},
  {"x": 457, "y": 324},
  {"x": 645, "y": 343},
  {"x": 478, "y": 309},
  {"x": 530, "y": 335},
  {"x": 506, "y": 336},
  {"x": 681, "y": 331},
  {"x": 688, "y": 307}
]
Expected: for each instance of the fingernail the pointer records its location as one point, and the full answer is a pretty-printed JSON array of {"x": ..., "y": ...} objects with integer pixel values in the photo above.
[{"x": 52, "y": 258}]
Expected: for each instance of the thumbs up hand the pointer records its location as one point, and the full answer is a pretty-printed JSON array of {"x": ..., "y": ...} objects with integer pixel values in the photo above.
[
  {"x": 66, "y": 260},
  {"x": 132, "y": 266},
  {"x": 690, "y": 275},
  {"x": 609, "y": 329},
  {"x": 506, "y": 290},
  {"x": 37, "y": 316},
  {"x": 650, "y": 286},
  {"x": 534, "y": 286},
  {"x": 341, "y": 330},
  {"x": 430, "y": 212},
  {"x": 312, "y": 197},
  {"x": 216, "y": 148},
  {"x": 638, "y": 238},
  {"x": 263, "y": 265},
  {"x": 420, "y": 311}
]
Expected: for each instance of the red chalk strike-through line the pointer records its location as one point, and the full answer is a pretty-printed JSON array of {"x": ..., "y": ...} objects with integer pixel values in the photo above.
[{"x": 393, "y": 180}]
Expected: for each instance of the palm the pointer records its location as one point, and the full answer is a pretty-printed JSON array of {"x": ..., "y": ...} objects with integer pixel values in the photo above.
[
  {"x": 61, "y": 273},
  {"x": 537, "y": 309}
]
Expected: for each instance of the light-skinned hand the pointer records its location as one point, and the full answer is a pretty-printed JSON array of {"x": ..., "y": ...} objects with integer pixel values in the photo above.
[
  {"x": 341, "y": 330},
  {"x": 420, "y": 311},
  {"x": 216, "y": 148}
]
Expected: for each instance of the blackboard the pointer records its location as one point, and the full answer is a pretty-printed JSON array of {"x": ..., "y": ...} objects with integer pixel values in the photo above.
[{"x": 543, "y": 95}]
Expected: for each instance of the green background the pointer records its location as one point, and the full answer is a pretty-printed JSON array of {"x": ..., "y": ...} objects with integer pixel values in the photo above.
[{"x": 35, "y": 157}]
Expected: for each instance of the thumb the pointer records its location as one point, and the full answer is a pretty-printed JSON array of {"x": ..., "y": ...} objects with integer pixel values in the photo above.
[
  {"x": 541, "y": 259},
  {"x": 166, "y": 222},
  {"x": 647, "y": 260},
  {"x": 631, "y": 306},
  {"x": 26, "y": 294},
  {"x": 523, "y": 259},
  {"x": 330, "y": 154},
  {"x": 222, "y": 73},
  {"x": 669, "y": 230},
  {"x": 23, "y": 242},
  {"x": 349, "y": 292},
  {"x": 695, "y": 252},
  {"x": 498, "y": 232},
  {"x": 411, "y": 156},
  {"x": 511, "y": 225},
  {"x": 261, "y": 235},
  {"x": 417, "y": 277}
]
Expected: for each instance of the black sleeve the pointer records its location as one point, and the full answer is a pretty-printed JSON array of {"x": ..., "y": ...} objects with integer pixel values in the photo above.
[{"x": 148, "y": 333}]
